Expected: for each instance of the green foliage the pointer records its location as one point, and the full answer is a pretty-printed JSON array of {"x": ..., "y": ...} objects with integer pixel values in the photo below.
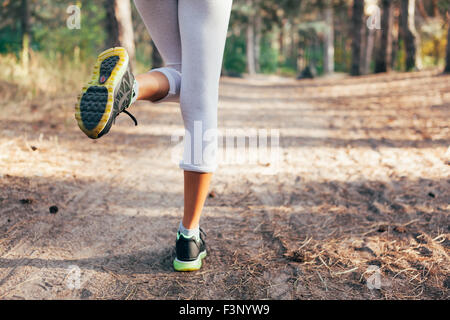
[
  {"x": 52, "y": 39},
  {"x": 268, "y": 56},
  {"x": 49, "y": 32},
  {"x": 89, "y": 38},
  {"x": 235, "y": 54},
  {"x": 401, "y": 57},
  {"x": 289, "y": 63},
  {"x": 342, "y": 58},
  {"x": 287, "y": 72},
  {"x": 433, "y": 44},
  {"x": 10, "y": 40}
]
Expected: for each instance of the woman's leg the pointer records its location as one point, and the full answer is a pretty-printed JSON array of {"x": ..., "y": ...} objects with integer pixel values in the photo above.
[
  {"x": 202, "y": 26},
  {"x": 161, "y": 19},
  {"x": 116, "y": 88},
  {"x": 203, "y": 30},
  {"x": 153, "y": 86},
  {"x": 196, "y": 185}
]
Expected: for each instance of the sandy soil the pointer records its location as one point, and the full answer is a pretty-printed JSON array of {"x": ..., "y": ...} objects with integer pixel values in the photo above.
[{"x": 357, "y": 206}]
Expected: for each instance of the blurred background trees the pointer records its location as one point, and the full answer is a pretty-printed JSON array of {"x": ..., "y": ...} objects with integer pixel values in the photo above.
[
  {"x": 383, "y": 60},
  {"x": 288, "y": 37},
  {"x": 119, "y": 26},
  {"x": 447, "y": 65}
]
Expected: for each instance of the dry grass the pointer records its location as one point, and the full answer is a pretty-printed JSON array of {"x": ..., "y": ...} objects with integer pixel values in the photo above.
[{"x": 41, "y": 78}]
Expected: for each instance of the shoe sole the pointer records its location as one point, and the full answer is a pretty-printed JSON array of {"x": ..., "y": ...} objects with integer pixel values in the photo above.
[
  {"x": 189, "y": 265},
  {"x": 95, "y": 104}
]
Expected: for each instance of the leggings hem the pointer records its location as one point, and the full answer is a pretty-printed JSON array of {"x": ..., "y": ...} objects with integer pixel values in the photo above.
[
  {"x": 201, "y": 169},
  {"x": 174, "y": 84}
]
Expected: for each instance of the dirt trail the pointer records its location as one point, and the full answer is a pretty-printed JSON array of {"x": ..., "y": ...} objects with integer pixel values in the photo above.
[{"x": 361, "y": 193}]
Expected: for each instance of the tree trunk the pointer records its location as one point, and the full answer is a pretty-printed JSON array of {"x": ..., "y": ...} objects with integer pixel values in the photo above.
[
  {"x": 436, "y": 8},
  {"x": 112, "y": 27},
  {"x": 395, "y": 38},
  {"x": 357, "y": 25},
  {"x": 328, "y": 65},
  {"x": 251, "y": 60},
  {"x": 368, "y": 51},
  {"x": 447, "y": 65},
  {"x": 295, "y": 48},
  {"x": 422, "y": 10},
  {"x": 384, "y": 55},
  {"x": 363, "y": 45},
  {"x": 119, "y": 25},
  {"x": 258, "y": 34},
  {"x": 409, "y": 34},
  {"x": 251, "y": 64},
  {"x": 25, "y": 25},
  {"x": 280, "y": 42}
]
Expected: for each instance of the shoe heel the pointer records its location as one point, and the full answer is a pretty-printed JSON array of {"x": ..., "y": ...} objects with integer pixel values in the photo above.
[{"x": 189, "y": 265}]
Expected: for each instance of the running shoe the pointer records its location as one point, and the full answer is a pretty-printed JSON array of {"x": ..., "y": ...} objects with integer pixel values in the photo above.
[
  {"x": 111, "y": 90},
  {"x": 190, "y": 252}
]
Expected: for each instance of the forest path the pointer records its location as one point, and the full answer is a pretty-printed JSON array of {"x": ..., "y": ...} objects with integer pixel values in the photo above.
[{"x": 361, "y": 181}]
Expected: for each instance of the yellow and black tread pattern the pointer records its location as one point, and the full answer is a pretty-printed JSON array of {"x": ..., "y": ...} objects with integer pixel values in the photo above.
[{"x": 95, "y": 104}]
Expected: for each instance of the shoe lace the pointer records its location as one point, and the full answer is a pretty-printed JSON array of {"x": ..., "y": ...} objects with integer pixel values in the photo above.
[
  {"x": 131, "y": 116},
  {"x": 203, "y": 233}
]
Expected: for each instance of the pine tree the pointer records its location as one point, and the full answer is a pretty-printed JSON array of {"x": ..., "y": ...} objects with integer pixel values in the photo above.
[
  {"x": 409, "y": 34},
  {"x": 357, "y": 25},
  {"x": 447, "y": 66},
  {"x": 384, "y": 55},
  {"x": 120, "y": 26}
]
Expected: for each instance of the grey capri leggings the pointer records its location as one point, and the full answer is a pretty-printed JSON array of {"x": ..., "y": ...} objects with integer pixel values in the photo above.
[{"x": 190, "y": 36}]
